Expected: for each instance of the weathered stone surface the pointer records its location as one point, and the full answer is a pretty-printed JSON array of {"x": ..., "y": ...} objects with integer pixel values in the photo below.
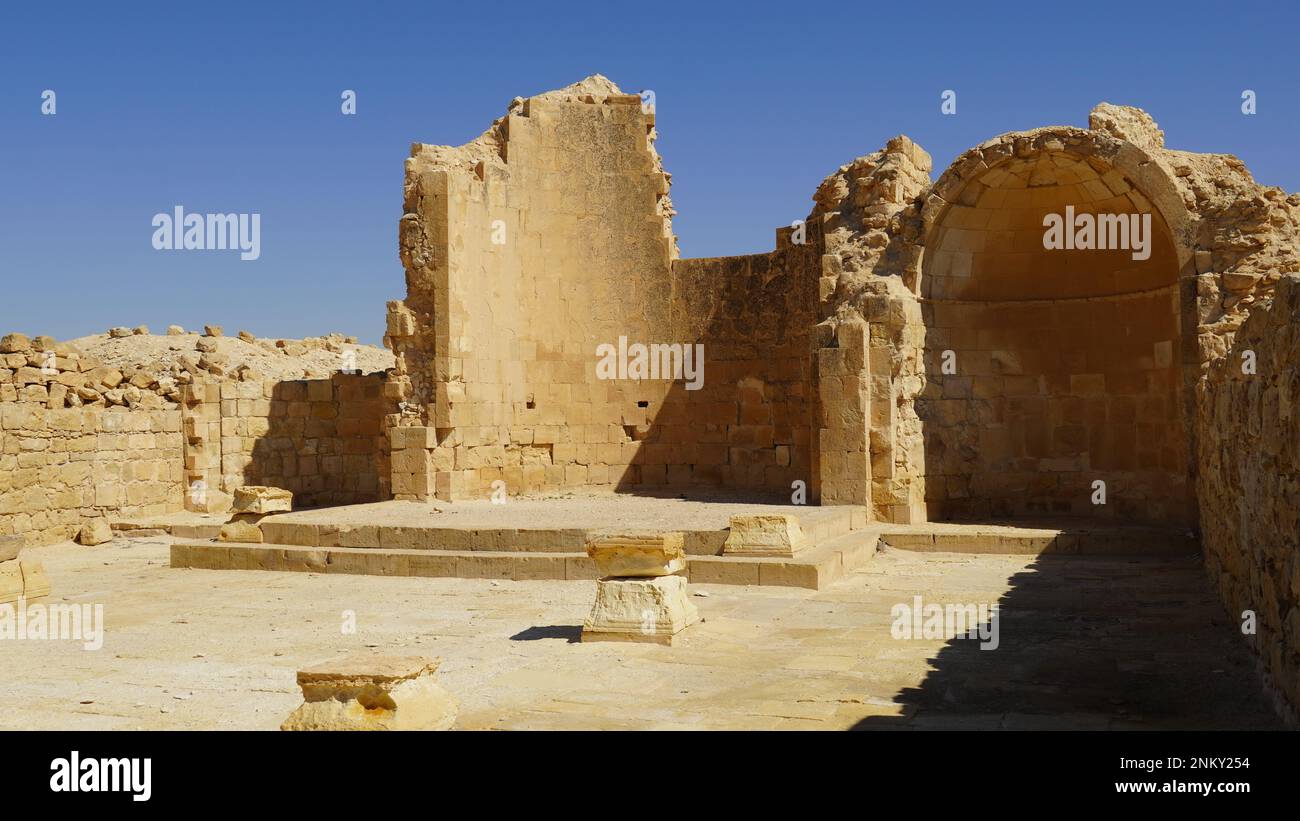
[
  {"x": 10, "y": 547},
  {"x": 242, "y": 527},
  {"x": 15, "y": 343},
  {"x": 262, "y": 499},
  {"x": 638, "y": 555},
  {"x": 95, "y": 531},
  {"x": 765, "y": 535},
  {"x": 364, "y": 692},
  {"x": 648, "y": 610},
  {"x": 11, "y": 581}
]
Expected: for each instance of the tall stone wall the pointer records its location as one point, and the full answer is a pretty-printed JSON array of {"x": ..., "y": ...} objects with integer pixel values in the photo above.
[
  {"x": 750, "y": 425},
  {"x": 1249, "y": 481},
  {"x": 528, "y": 249}
]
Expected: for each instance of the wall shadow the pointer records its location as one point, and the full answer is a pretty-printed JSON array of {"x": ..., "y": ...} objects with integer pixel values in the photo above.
[
  {"x": 322, "y": 439},
  {"x": 1094, "y": 643}
]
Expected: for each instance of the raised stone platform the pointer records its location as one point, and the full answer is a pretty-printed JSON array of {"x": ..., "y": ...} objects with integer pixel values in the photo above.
[
  {"x": 535, "y": 539},
  {"x": 548, "y": 539}
]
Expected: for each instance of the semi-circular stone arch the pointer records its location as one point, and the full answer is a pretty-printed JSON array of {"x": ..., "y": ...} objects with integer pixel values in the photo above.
[{"x": 1049, "y": 370}]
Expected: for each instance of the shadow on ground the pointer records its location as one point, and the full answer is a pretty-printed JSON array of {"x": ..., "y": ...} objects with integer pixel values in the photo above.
[{"x": 1095, "y": 643}]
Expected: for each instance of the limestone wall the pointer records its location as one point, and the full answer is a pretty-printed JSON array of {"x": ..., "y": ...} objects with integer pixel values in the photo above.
[
  {"x": 750, "y": 426},
  {"x": 544, "y": 239},
  {"x": 1249, "y": 480},
  {"x": 1047, "y": 397},
  {"x": 322, "y": 439},
  {"x": 62, "y": 467}
]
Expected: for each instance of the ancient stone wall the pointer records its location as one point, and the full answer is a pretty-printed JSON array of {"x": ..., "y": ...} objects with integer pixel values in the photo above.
[
  {"x": 1249, "y": 480},
  {"x": 61, "y": 467},
  {"x": 322, "y": 439},
  {"x": 545, "y": 239},
  {"x": 750, "y": 425}
]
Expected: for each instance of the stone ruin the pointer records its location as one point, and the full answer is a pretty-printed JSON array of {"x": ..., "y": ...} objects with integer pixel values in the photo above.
[{"x": 910, "y": 346}]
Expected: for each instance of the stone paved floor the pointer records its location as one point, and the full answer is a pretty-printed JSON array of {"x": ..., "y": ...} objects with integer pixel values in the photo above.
[{"x": 1084, "y": 643}]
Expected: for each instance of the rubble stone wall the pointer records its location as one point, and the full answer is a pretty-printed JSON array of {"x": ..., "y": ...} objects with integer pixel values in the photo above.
[{"x": 1249, "y": 480}]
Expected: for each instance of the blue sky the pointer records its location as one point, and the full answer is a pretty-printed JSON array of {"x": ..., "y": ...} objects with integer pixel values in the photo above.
[{"x": 234, "y": 107}]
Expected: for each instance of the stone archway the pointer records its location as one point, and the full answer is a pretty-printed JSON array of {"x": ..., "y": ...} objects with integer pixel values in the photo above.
[{"x": 1049, "y": 370}]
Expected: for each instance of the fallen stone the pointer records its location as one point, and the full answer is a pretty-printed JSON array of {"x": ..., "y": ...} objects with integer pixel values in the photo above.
[
  {"x": 175, "y": 330},
  {"x": 645, "y": 555},
  {"x": 119, "y": 333},
  {"x": 242, "y": 527},
  {"x": 765, "y": 535},
  {"x": 362, "y": 692},
  {"x": 96, "y": 531},
  {"x": 212, "y": 330},
  {"x": 262, "y": 499},
  {"x": 140, "y": 330},
  {"x": 642, "y": 610}
]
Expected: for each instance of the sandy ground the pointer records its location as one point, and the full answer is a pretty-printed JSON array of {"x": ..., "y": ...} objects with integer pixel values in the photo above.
[{"x": 1083, "y": 643}]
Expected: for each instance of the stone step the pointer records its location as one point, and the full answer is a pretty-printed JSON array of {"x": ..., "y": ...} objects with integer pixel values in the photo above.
[
  {"x": 1070, "y": 541},
  {"x": 813, "y": 568}
]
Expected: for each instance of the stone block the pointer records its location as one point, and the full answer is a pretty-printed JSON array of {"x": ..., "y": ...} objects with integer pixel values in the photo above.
[
  {"x": 765, "y": 535},
  {"x": 35, "y": 583},
  {"x": 242, "y": 527},
  {"x": 261, "y": 499},
  {"x": 642, "y": 610},
  {"x": 364, "y": 692},
  {"x": 638, "y": 556},
  {"x": 95, "y": 531}
]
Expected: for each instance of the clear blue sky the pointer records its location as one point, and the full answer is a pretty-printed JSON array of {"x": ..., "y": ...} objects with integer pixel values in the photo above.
[{"x": 233, "y": 107}]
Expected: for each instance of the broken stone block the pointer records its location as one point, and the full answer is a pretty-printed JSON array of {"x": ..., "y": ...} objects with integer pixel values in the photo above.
[
  {"x": 175, "y": 330},
  {"x": 96, "y": 531},
  {"x": 242, "y": 527},
  {"x": 262, "y": 499},
  {"x": 638, "y": 556},
  {"x": 212, "y": 330},
  {"x": 35, "y": 583},
  {"x": 119, "y": 333},
  {"x": 650, "y": 610},
  {"x": 765, "y": 535},
  {"x": 364, "y": 692}
]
